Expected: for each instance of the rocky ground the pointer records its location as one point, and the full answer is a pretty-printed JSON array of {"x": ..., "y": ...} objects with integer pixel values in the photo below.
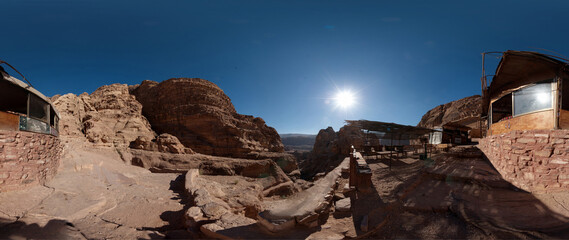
[
  {"x": 95, "y": 195},
  {"x": 456, "y": 195}
]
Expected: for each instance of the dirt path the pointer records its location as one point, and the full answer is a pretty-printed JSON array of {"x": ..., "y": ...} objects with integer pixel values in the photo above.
[{"x": 95, "y": 196}]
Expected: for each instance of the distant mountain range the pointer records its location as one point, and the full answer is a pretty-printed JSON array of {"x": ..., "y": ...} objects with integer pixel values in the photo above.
[{"x": 298, "y": 142}]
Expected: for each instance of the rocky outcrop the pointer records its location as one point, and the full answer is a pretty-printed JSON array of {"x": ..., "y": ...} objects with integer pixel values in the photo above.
[
  {"x": 330, "y": 148},
  {"x": 455, "y": 111},
  {"x": 200, "y": 114},
  {"x": 191, "y": 115},
  {"x": 109, "y": 116},
  {"x": 72, "y": 110},
  {"x": 165, "y": 143}
]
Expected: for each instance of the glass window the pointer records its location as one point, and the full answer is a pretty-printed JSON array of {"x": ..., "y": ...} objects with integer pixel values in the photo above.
[
  {"x": 533, "y": 98},
  {"x": 38, "y": 108},
  {"x": 13, "y": 98},
  {"x": 502, "y": 109}
]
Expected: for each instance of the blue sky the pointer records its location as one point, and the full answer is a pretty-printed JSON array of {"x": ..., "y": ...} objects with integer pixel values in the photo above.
[{"x": 280, "y": 60}]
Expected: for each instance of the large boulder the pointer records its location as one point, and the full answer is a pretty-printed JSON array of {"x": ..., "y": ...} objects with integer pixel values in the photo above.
[{"x": 200, "y": 114}]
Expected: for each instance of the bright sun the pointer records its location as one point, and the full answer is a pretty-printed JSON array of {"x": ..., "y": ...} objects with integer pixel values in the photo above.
[{"x": 344, "y": 99}]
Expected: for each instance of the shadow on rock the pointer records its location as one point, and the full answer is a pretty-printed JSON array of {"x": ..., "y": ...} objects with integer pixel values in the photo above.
[
  {"x": 54, "y": 229},
  {"x": 175, "y": 228}
]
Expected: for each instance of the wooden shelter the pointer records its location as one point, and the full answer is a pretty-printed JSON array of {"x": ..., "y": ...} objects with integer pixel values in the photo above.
[
  {"x": 529, "y": 91},
  {"x": 393, "y": 131},
  {"x": 23, "y": 108},
  {"x": 451, "y": 133}
]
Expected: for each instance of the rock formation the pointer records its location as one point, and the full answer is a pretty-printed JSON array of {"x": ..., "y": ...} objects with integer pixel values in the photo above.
[
  {"x": 200, "y": 114},
  {"x": 109, "y": 116},
  {"x": 330, "y": 148},
  {"x": 190, "y": 115},
  {"x": 455, "y": 111},
  {"x": 165, "y": 143}
]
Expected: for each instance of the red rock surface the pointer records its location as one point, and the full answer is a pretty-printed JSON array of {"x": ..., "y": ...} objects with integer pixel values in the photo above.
[
  {"x": 200, "y": 114},
  {"x": 109, "y": 116},
  {"x": 454, "y": 111},
  {"x": 330, "y": 148}
]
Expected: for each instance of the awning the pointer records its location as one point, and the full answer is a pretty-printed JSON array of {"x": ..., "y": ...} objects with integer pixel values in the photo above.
[{"x": 391, "y": 130}]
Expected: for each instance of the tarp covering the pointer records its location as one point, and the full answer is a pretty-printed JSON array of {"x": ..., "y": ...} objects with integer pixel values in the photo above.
[{"x": 391, "y": 130}]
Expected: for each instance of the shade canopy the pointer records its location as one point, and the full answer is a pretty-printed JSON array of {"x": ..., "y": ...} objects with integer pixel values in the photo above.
[{"x": 391, "y": 130}]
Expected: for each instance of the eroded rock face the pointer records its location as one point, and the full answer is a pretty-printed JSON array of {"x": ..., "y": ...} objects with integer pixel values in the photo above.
[
  {"x": 200, "y": 114},
  {"x": 109, "y": 116},
  {"x": 468, "y": 107},
  {"x": 72, "y": 110},
  {"x": 165, "y": 143},
  {"x": 331, "y": 148}
]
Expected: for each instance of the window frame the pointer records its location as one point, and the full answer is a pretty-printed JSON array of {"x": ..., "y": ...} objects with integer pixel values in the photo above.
[{"x": 552, "y": 95}]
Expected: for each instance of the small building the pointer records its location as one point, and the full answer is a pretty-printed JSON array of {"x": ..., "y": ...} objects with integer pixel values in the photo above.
[
  {"x": 526, "y": 106},
  {"x": 450, "y": 133},
  {"x": 29, "y": 138},
  {"x": 528, "y": 91}
]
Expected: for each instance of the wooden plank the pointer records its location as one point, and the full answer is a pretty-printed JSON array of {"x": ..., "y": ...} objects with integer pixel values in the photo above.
[
  {"x": 9, "y": 122},
  {"x": 563, "y": 119},
  {"x": 532, "y": 121}
]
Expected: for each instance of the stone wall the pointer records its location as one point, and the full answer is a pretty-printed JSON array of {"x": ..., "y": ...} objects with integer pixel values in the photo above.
[
  {"x": 533, "y": 160},
  {"x": 27, "y": 159}
]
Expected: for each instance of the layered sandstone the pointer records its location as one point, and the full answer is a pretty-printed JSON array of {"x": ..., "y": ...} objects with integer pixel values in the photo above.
[
  {"x": 465, "y": 110},
  {"x": 200, "y": 114},
  {"x": 190, "y": 115},
  {"x": 109, "y": 116}
]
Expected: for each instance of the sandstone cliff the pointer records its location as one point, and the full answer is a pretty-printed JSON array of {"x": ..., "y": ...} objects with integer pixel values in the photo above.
[
  {"x": 200, "y": 114},
  {"x": 188, "y": 115},
  {"x": 109, "y": 116},
  {"x": 465, "y": 111}
]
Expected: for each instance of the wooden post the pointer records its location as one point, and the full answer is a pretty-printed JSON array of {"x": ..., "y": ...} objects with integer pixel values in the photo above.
[
  {"x": 391, "y": 152},
  {"x": 353, "y": 167}
]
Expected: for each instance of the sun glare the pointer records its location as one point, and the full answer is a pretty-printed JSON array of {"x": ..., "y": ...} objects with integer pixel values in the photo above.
[{"x": 344, "y": 99}]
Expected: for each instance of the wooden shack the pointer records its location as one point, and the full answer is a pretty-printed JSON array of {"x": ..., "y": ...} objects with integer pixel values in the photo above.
[
  {"x": 450, "y": 133},
  {"x": 30, "y": 148},
  {"x": 23, "y": 108},
  {"x": 529, "y": 91}
]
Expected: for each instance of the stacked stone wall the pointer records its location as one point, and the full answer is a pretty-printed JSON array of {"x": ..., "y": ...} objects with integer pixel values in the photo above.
[
  {"x": 27, "y": 159},
  {"x": 533, "y": 160}
]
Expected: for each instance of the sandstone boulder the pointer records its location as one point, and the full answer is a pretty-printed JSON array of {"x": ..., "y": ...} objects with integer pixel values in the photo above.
[
  {"x": 343, "y": 205},
  {"x": 200, "y": 114}
]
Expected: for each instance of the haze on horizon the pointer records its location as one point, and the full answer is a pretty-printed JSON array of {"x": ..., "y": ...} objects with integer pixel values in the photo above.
[{"x": 283, "y": 61}]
